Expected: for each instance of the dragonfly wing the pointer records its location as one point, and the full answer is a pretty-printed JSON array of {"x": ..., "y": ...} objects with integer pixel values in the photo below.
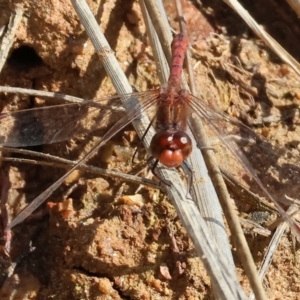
[
  {"x": 249, "y": 156},
  {"x": 139, "y": 102},
  {"x": 46, "y": 125},
  {"x": 43, "y": 125}
]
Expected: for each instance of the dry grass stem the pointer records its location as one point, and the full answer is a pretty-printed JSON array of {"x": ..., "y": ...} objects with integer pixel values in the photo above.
[
  {"x": 8, "y": 38},
  {"x": 58, "y": 162},
  {"x": 203, "y": 193},
  {"x": 254, "y": 228},
  {"x": 264, "y": 36},
  {"x": 295, "y": 5},
  {"x": 273, "y": 246},
  {"x": 30, "y": 92},
  {"x": 229, "y": 211}
]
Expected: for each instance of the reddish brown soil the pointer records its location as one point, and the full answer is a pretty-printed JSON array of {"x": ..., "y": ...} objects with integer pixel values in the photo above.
[{"x": 96, "y": 244}]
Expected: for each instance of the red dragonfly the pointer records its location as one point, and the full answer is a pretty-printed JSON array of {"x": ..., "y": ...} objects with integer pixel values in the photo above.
[{"x": 170, "y": 146}]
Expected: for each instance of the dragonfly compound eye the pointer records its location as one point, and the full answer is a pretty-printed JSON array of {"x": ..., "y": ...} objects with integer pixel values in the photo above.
[{"x": 171, "y": 148}]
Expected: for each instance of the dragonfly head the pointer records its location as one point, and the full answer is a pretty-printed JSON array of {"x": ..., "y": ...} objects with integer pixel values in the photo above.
[{"x": 171, "y": 148}]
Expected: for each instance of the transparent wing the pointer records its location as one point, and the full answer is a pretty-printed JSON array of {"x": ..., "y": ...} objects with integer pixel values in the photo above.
[
  {"x": 46, "y": 125},
  {"x": 249, "y": 156},
  {"x": 139, "y": 103}
]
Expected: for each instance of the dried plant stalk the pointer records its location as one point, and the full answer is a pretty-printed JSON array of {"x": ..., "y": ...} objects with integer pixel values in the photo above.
[
  {"x": 264, "y": 36},
  {"x": 8, "y": 39},
  {"x": 295, "y": 5}
]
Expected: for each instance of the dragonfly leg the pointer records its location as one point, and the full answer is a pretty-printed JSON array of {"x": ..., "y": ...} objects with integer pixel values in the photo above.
[
  {"x": 206, "y": 148},
  {"x": 141, "y": 141},
  {"x": 189, "y": 173},
  {"x": 152, "y": 163}
]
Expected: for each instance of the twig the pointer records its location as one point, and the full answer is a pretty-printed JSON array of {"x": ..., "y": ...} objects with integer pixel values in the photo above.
[
  {"x": 273, "y": 246},
  {"x": 159, "y": 20},
  {"x": 220, "y": 186},
  {"x": 203, "y": 193},
  {"x": 254, "y": 228},
  {"x": 206, "y": 197},
  {"x": 232, "y": 219},
  {"x": 162, "y": 65},
  {"x": 175, "y": 251},
  {"x": 295, "y": 5},
  {"x": 30, "y": 92},
  {"x": 262, "y": 34},
  {"x": 229, "y": 211},
  {"x": 5, "y": 186},
  {"x": 64, "y": 163},
  {"x": 8, "y": 39}
]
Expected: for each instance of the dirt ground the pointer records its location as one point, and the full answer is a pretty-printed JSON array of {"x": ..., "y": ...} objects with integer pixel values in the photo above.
[{"x": 100, "y": 242}]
